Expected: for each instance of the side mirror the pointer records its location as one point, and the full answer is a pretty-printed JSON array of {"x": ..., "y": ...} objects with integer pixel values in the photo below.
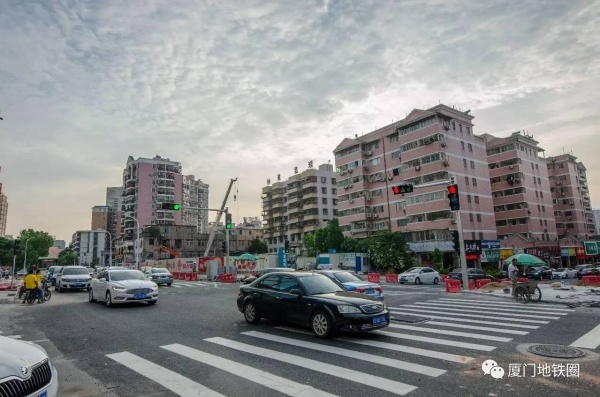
[{"x": 296, "y": 291}]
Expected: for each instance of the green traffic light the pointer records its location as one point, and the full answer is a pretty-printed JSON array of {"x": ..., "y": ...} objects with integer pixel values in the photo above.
[
  {"x": 176, "y": 207},
  {"x": 228, "y": 226}
]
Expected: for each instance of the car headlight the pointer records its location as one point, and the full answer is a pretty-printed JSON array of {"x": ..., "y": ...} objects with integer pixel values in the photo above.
[
  {"x": 120, "y": 289},
  {"x": 154, "y": 286},
  {"x": 345, "y": 309}
]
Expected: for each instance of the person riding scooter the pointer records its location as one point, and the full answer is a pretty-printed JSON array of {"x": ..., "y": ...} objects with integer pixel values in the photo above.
[{"x": 30, "y": 282}]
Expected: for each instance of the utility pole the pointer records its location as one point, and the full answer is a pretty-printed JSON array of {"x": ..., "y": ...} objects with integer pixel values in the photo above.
[{"x": 227, "y": 237}]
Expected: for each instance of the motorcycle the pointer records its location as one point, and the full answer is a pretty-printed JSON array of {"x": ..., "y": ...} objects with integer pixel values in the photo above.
[{"x": 32, "y": 296}]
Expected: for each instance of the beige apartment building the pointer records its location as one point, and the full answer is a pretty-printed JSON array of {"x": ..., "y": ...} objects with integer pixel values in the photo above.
[
  {"x": 426, "y": 147},
  {"x": 3, "y": 214}
]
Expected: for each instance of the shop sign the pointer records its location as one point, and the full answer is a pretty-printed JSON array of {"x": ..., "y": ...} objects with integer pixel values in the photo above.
[
  {"x": 473, "y": 247},
  {"x": 490, "y": 256},
  {"x": 490, "y": 244},
  {"x": 591, "y": 247},
  {"x": 430, "y": 246},
  {"x": 505, "y": 253},
  {"x": 543, "y": 252}
]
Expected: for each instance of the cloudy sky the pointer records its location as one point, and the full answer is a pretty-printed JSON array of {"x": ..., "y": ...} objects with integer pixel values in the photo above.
[{"x": 250, "y": 89}]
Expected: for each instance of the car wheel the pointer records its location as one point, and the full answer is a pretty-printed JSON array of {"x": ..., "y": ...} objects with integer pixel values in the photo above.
[
  {"x": 417, "y": 280},
  {"x": 321, "y": 325},
  {"x": 401, "y": 282},
  {"x": 91, "y": 296},
  {"x": 169, "y": 284},
  {"x": 58, "y": 289},
  {"x": 108, "y": 299},
  {"x": 251, "y": 314},
  {"x": 152, "y": 302},
  {"x": 436, "y": 280}
]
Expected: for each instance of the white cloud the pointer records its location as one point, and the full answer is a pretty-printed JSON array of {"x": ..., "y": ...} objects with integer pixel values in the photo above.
[{"x": 253, "y": 88}]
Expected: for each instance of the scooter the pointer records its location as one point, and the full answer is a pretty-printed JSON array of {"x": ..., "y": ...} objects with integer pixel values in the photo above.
[{"x": 32, "y": 296}]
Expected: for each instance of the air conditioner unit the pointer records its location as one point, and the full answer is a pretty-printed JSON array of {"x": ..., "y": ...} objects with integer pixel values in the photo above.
[
  {"x": 343, "y": 172},
  {"x": 571, "y": 202},
  {"x": 349, "y": 186},
  {"x": 517, "y": 180},
  {"x": 367, "y": 198},
  {"x": 447, "y": 127},
  {"x": 418, "y": 167},
  {"x": 375, "y": 215},
  {"x": 558, "y": 182},
  {"x": 511, "y": 166},
  {"x": 345, "y": 187},
  {"x": 350, "y": 171},
  {"x": 365, "y": 167},
  {"x": 570, "y": 218},
  {"x": 453, "y": 222},
  {"x": 446, "y": 163},
  {"x": 368, "y": 153},
  {"x": 351, "y": 201},
  {"x": 562, "y": 194},
  {"x": 443, "y": 143},
  {"x": 369, "y": 215}
]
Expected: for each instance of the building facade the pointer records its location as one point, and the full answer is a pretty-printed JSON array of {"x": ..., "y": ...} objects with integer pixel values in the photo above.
[
  {"x": 90, "y": 247},
  {"x": 520, "y": 188},
  {"x": 571, "y": 197},
  {"x": 426, "y": 149},
  {"x": 100, "y": 217},
  {"x": 195, "y": 195},
  {"x": 3, "y": 214},
  {"x": 297, "y": 206},
  {"x": 181, "y": 239},
  {"x": 114, "y": 199},
  {"x": 596, "y": 215},
  {"x": 59, "y": 244},
  {"x": 242, "y": 234}
]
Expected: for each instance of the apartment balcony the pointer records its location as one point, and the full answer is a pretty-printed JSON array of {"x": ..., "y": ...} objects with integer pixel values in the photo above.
[
  {"x": 511, "y": 229},
  {"x": 510, "y": 199},
  {"x": 505, "y": 170},
  {"x": 292, "y": 199},
  {"x": 518, "y": 213},
  {"x": 431, "y": 225},
  {"x": 308, "y": 217}
]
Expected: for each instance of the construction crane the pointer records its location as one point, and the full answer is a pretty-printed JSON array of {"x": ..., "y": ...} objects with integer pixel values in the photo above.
[
  {"x": 211, "y": 237},
  {"x": 170, "y": 251}
]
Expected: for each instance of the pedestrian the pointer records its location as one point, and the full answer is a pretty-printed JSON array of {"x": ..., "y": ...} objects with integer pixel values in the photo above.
[
  {"x": 40, "y": 281},
  {"x": 30, "y": 282},
  {"x": 513, "y": 273}
]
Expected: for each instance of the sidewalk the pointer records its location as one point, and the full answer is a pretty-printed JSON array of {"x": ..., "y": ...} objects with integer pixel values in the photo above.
[
  {"x": 571, "y": 295},
  {"x": 8, "y": 296}
]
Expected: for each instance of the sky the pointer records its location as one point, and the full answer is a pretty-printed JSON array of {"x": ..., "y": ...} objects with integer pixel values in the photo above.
[{"x": 251, "y": 89}]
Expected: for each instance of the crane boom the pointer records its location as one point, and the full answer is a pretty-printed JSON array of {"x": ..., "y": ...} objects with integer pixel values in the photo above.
[{"x": 211, "y": 237}]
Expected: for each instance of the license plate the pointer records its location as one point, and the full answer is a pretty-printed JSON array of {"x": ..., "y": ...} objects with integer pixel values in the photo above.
[
  {"x": 44, "y": 394},
  {"x": 139, "y": 296},
  {"x": 378, "y": 320},
  {"x": 369, "y": 291},
  {"x": 76, "y": 284},
  {"x": 403, "y": 278}
]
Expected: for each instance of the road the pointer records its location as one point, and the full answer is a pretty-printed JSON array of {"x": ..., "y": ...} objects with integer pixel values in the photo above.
[{"x": 195, "y": 342}]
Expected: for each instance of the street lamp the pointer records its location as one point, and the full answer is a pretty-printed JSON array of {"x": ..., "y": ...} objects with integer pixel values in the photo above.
[
  {"x": 25, "y": 258},
  {"x": 137, "y": 240}
]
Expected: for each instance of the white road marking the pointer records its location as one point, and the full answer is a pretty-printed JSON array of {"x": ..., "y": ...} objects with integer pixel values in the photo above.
[
  {"x": 468, "y": 320},
  {"x": 403, "y": 365},
  {"x": 437, "y": 310},
  {"x": 450, "y": 333},
  {"x": 591, "y": 340},
  {"x": 436, "y": 341},
  {"x": 531, "y": 310},
  {"x": 478, "y": 328},
  {"x": 176, "y": 286},
  {"x": 168, "y": 379},
  {"x": 410, "y": 293},
  {"x": 332, "y": 370},
  {"x": 263, "y": 378},
  {"x": 496, "y": 315},
  {"x": 538, "y": 306}
]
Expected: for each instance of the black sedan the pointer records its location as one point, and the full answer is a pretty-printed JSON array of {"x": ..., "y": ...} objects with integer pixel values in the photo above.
[
  {"x": 472, "y": 274},
  {"x": 313, "y": 300},
  {"x": 539, "y": 273}
]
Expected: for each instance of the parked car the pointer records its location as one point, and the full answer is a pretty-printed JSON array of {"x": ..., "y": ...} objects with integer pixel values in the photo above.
[
  {"x": 72, "y": 277},
  {"x": 26, "y": 370},
  {"x": 123, "y": 286},
  {"x": 268, "y": 270},
  {"x": 353, "y": 283},
  {"x": 313, "y": 300},
  {"x": 538, "y": 273},
  {"x": 472, "y": 274},
  {"x": 588, "y": 271},
  {"x": 564, "y": 272},
  {"x": 159, "y": 276},
  {"x": 419, "y": 275}
]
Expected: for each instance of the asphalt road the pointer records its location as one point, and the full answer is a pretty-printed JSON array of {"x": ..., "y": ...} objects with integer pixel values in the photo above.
[{"x": 194, "y": 342}]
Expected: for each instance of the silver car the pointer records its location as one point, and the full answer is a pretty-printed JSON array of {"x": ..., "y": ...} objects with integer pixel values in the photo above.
[
  {"x": 26, "y": 370},
  {"x": 73, "y": 277},
  {"x": 122, "y": 286},
  {"x": 159, "y": 275}
]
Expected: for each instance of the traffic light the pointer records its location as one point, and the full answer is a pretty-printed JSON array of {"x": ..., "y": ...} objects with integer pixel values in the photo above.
[
  {"x": 17, "y": 246},
  {"x": 171, "y": 206},
  {"x": 453, "y": 197},
  {"x": 456, "y": 240},
  {"x": 228, "y": 222},
  {"x": 287, "y": 246},
  {"x": 402, "y": 189},
  {"x": 224, "y": 247}
]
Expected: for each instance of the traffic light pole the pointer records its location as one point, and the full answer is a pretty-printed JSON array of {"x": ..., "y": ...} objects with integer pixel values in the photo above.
[
  {"x": 226, "y": 240},
  {"x": 461, "y": 251}
]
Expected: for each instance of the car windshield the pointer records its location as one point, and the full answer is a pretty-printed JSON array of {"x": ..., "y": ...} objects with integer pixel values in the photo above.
[
  {"x": 413, "y": 270},
  {"x": 127, "y": 275},
  {"x": 316, "y": 284},
  {"x": 160, "y": 271},
  {"x": 71, "y": 272},
  {"x": 344, "y": 277}
]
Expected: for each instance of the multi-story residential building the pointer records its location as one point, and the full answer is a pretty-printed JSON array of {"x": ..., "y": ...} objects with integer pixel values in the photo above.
[
  {"x": 520, "y": 190},
  {"x": 195, "y": 195},
  {"x": 3, "y": 213},
  {"x": 426, "y": 147},
  {"x": 91, "y": 247},
  {"x": 147, "y": 183},
  {"x": 114, "y": 198},
  {"x": 596, "y": 214},
  {"x": 571, "y": 197},
  {"x": 60, "y": 244},
  {"x": 242, "y": 234},
  {"x": 299, "y": 205},
  {"x": 184, "y": 239},
  {"x": 100, "y": 217}
]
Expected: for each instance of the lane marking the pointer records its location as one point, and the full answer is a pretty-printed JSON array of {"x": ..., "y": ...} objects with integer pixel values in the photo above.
[
  {"x": 437, "y": 310},
  {"x": 495, "y": 309},
  {"x": 476, "y": 327},
  {"x": 451, "y": 333},
  {"x": 252, "y": 374},
  {"x": 537, "y": 306},
  {"x": 468, "y": 320},
  {"x": 168, "y": 379},
  {"x": 389, "y": 362},
  {"x": 332, "y": 370},
  {"x": 496, "y": 315},
  {"x": 591, "y": 340},
  {"x": 392, "y": 346},
  {"x": 436, "y": 341}
]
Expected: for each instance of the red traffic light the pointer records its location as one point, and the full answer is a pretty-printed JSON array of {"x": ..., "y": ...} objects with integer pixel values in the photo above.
[
  {"x": 396, "y": 190},
  {"x": 452, "y": 189}
]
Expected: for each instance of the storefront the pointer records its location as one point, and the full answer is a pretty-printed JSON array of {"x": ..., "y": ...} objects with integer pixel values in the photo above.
[
  {"x": 490, "y": 254},
  {"x": 550, "y": 255},
  {"x": 424, "y": 251}
]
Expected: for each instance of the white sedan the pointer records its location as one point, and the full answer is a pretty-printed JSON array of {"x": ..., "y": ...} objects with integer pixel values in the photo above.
[
  {"x": 419, "y": 275},
  {"x": 122, "y": 286},
  {"x": 564, "y": 273}
]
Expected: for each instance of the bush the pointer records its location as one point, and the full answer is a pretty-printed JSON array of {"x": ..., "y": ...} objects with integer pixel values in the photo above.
[
  {"x": 495, "y": 273},
  {"x": 443, "y": 271}
]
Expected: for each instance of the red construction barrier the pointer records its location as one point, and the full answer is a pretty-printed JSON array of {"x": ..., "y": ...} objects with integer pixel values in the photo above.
[
  {"x": 373, "y": 278},
  {"x": 176, "y": 275},
  {"x": 188, "y": 276},
  {"x": 523, "y": 280},
  {"x": 444, "y": 277},
  {"x": 226, "y": 278},
  {"x": 391, "y": 278},
  {"x": 195, "y": 276},
  {"x": 471, "y": 284},
  {"x": 590, "y": 279},
  {"x": 452, "y": 286},
  {"x": 481, "y": 283}
]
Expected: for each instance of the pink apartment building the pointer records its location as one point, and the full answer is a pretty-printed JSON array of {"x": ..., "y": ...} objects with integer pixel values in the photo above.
[{"x": 427, "y": 146}]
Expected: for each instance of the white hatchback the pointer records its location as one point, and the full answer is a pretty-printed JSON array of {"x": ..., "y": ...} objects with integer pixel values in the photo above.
[
  {"x": 419, "y": 275},
  {"x": 122, "y": 286}
]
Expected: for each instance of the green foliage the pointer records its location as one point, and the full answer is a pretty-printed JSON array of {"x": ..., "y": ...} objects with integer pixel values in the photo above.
[
  {"x": 67, "y": 257},
  {"x": 438, "y": 258},
  {"x": 330, "y": 237},
  {"x": 309, "y": 244},
  {"x": 37, "y": 243},
  {"x": 154, "y": 231},
  {"x": 389, "y": 250},
  {"x": 6, "y": 251},
  {"x": 494, "y": 273},
  {"x": 443, "y": 271},
  {"x": 257, "y": 247}
]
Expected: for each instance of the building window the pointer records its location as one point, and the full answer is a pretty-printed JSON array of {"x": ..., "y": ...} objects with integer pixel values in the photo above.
[
  {"x": 470, "y": 148},
  {"x": 325, "y": 211},
  {"x": 472, "y": 164},
  {"x": 334, "y": 191},
  {"x": 541, "y": 223},
  {"x": 481, "y": 235},
  {"x": 536, "y": 167},
  {"x": 545, "y": 222},
  {"x": 478, "y": 217},
  {"x": 543, "y": 208},
  {"x": 469, "y": 198},
  {"x": 542, "y": 194},
  {"x": 476, "y": 199},
  {"x": 539, "y": 181},
  {"x": 324, "y": 200},
  {"x": 333, "y": 181},
  {"x": 539, "y": 209},
  {"x": 472, "y": 235},
  {"x": 468, "y": 130},
  {"x": 467, "y": 180},
  {"x": 462, "y": 144},
  {"x": 474, "y": 182},
  {"x": 465, "y": 162},
  {"x": 324, "y": 190},
  {"x": 460, "y": 128},
  {"x": 453, "y": 125},
  {"x": 323, "y": 179},
  {"x": 537, "y": 194},
  {"x": 471, "y": 216}
]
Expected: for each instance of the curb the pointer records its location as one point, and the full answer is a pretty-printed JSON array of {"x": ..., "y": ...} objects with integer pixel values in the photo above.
[
  {"x": 565, "y": 303},
  {"x": 8, "y": 299}
]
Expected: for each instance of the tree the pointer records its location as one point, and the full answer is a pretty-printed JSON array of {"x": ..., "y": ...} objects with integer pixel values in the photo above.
[
  {"x": 257, "y": 247},
  {"x": 37, "y": 242},
  {"x": 438, "y": 258},
  {"x": 309, "y": 244},
  {"x": 67, "y": 257},
  {"x": 389, "y": 250},
  {"x": 6, "y": 251},
  {"x": 330, "y": 237}
]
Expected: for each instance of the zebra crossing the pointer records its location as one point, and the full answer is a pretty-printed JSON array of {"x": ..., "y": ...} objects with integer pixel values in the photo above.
[
  {"x": 190, "y": 284},
  {"x": 393, "y": 360}
]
